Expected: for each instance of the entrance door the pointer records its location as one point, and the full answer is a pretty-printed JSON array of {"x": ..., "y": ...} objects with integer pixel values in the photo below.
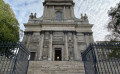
[
  {"x": 32, "y": 57},
  {"x": 58, "y": 54}
]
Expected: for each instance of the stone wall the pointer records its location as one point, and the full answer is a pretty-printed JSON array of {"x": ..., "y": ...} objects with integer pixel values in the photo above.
[{"x": 44, "y": 43}]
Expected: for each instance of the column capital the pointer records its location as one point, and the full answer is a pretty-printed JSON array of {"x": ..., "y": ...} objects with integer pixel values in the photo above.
[
  {"x": 74, "y": 32},
  {"x": 29, "y": 33},
  {"x": 87, "y": 33},
  {"x": 65, "y": 32},
  {"x": 36, "y": 33},
  {"x": 51, "y": 32},
  {"x": 41, "y": 32}
]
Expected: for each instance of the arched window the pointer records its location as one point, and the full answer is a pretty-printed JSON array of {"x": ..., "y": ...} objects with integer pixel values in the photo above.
[{"x": 58, "y": 15}]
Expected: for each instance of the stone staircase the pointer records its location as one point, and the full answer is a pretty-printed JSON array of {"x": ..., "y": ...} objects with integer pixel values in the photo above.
[{"x": 56, "y": 67}]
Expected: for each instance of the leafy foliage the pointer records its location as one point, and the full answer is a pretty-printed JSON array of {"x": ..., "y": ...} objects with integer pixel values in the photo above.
[
  {"x": 9, "y": 30},
  {"x": 114, "y": 28},
  {"x": 114, "y": 24},
  {"x": 114, "y": 51},
  {"x": 7, "y": 49}
]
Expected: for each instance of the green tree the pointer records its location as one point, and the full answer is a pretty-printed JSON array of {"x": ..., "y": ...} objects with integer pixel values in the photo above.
[
  {"x": 9, "y": 30},
  {"x": 114, "y": 28},
  {"x": 114, "y": 24},
  {"x": 9, "y": 27}
]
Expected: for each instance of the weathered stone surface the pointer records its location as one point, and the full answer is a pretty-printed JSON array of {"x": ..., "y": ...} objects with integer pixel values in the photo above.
[
  {"x": 56, "y": 67},
  {"x": 57, "y": 30}
]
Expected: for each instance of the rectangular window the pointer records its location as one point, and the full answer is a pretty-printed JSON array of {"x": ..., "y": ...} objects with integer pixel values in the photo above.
[
  {"x": 32, "y": 56},
  {"x": 58, "y": 16}
]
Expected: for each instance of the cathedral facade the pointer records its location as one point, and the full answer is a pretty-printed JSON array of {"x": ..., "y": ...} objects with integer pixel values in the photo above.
[{"x": 57, "y": 36}]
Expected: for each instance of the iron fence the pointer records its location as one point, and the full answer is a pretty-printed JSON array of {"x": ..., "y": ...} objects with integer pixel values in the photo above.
[
  {"x": 14, "y": 58},
  {"x": 102, "y": 58}
]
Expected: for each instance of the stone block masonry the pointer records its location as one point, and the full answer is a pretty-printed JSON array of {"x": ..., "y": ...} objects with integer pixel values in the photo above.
[{"x": 56, "y": 67}]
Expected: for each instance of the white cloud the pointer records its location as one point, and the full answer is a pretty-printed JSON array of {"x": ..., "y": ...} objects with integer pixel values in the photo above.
[
  {"x": 95, "y": 9},
  {"x": 23, "y": 8},
  {"x": 97, "y": 13}
]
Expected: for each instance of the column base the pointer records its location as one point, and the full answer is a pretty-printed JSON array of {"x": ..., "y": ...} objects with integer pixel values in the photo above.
[
  {"x": 49, "y": 59},
  {"x": 40, "y": 59}
]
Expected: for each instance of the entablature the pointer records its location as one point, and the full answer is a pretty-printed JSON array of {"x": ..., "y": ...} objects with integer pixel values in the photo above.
[{"x": 58, "y": 2}]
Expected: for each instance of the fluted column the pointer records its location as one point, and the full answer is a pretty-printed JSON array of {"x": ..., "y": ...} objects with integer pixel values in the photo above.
[
  {"x": 76, "y": 53},
  {"x": 28, "y": 41},
  {"x": 87, "y": 38},
  {"x": 66, "y": 47},
  {"x": 72, "y": 11},
  {"x": 91, "y": 38},
  {"x": 24, "y": 39},
  {"x": 53, "y": 13},
  {"x": 45, "y": 12},
  {"x": 64, "y": 13},
  {"x": 50, "y": 47},
  {"x": 37, "y": 35},
  {"x": 41, "y": 45}
]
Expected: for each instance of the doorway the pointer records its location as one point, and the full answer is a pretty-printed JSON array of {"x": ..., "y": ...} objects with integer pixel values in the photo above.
[
  {"x": 58, "y": 54},
  {"x": 32, "y": 57}
]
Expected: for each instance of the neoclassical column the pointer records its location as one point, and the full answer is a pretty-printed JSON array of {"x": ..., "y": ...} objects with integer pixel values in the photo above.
[
  {"x": 28, "y": 42},
  {"x": 37, "y": 35},
  {"x": 66, "y": 47},
  {"x": 50, "y": 47},
  {"x": 91, "y": 38},
  {"x": 41, "y": 45},
  {"x": 45, "y": 12},
  {"x": 29, "y": 37},
  {"x": 64, "y": 13},
  {"x": 87, "y": 38},
  {"x": 25, "y": 39},
  {"x": 53, "y": 12},
  {"x": 76, "y": 53},
  {"x": 72, "y": 11}
]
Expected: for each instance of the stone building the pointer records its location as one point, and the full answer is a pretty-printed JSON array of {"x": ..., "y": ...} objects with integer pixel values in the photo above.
[{"x": 57, "y": 39}]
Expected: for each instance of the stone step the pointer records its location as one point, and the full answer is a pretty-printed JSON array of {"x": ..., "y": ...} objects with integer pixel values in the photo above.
[{"x": 56, "y": 67}]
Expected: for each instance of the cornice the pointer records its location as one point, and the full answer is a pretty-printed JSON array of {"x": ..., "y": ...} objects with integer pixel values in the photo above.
[
  {"x": 57, "y": 2},
  {"x": 58, "y": 24}
]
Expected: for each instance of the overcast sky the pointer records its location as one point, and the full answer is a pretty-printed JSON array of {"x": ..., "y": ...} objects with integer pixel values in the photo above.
[{"x": 95, "y": 9}]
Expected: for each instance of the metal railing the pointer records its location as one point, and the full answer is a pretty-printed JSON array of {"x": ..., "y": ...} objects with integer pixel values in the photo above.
[
  {"x": 14, "y": 58},
  {"x": 102, "y": 58}
]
